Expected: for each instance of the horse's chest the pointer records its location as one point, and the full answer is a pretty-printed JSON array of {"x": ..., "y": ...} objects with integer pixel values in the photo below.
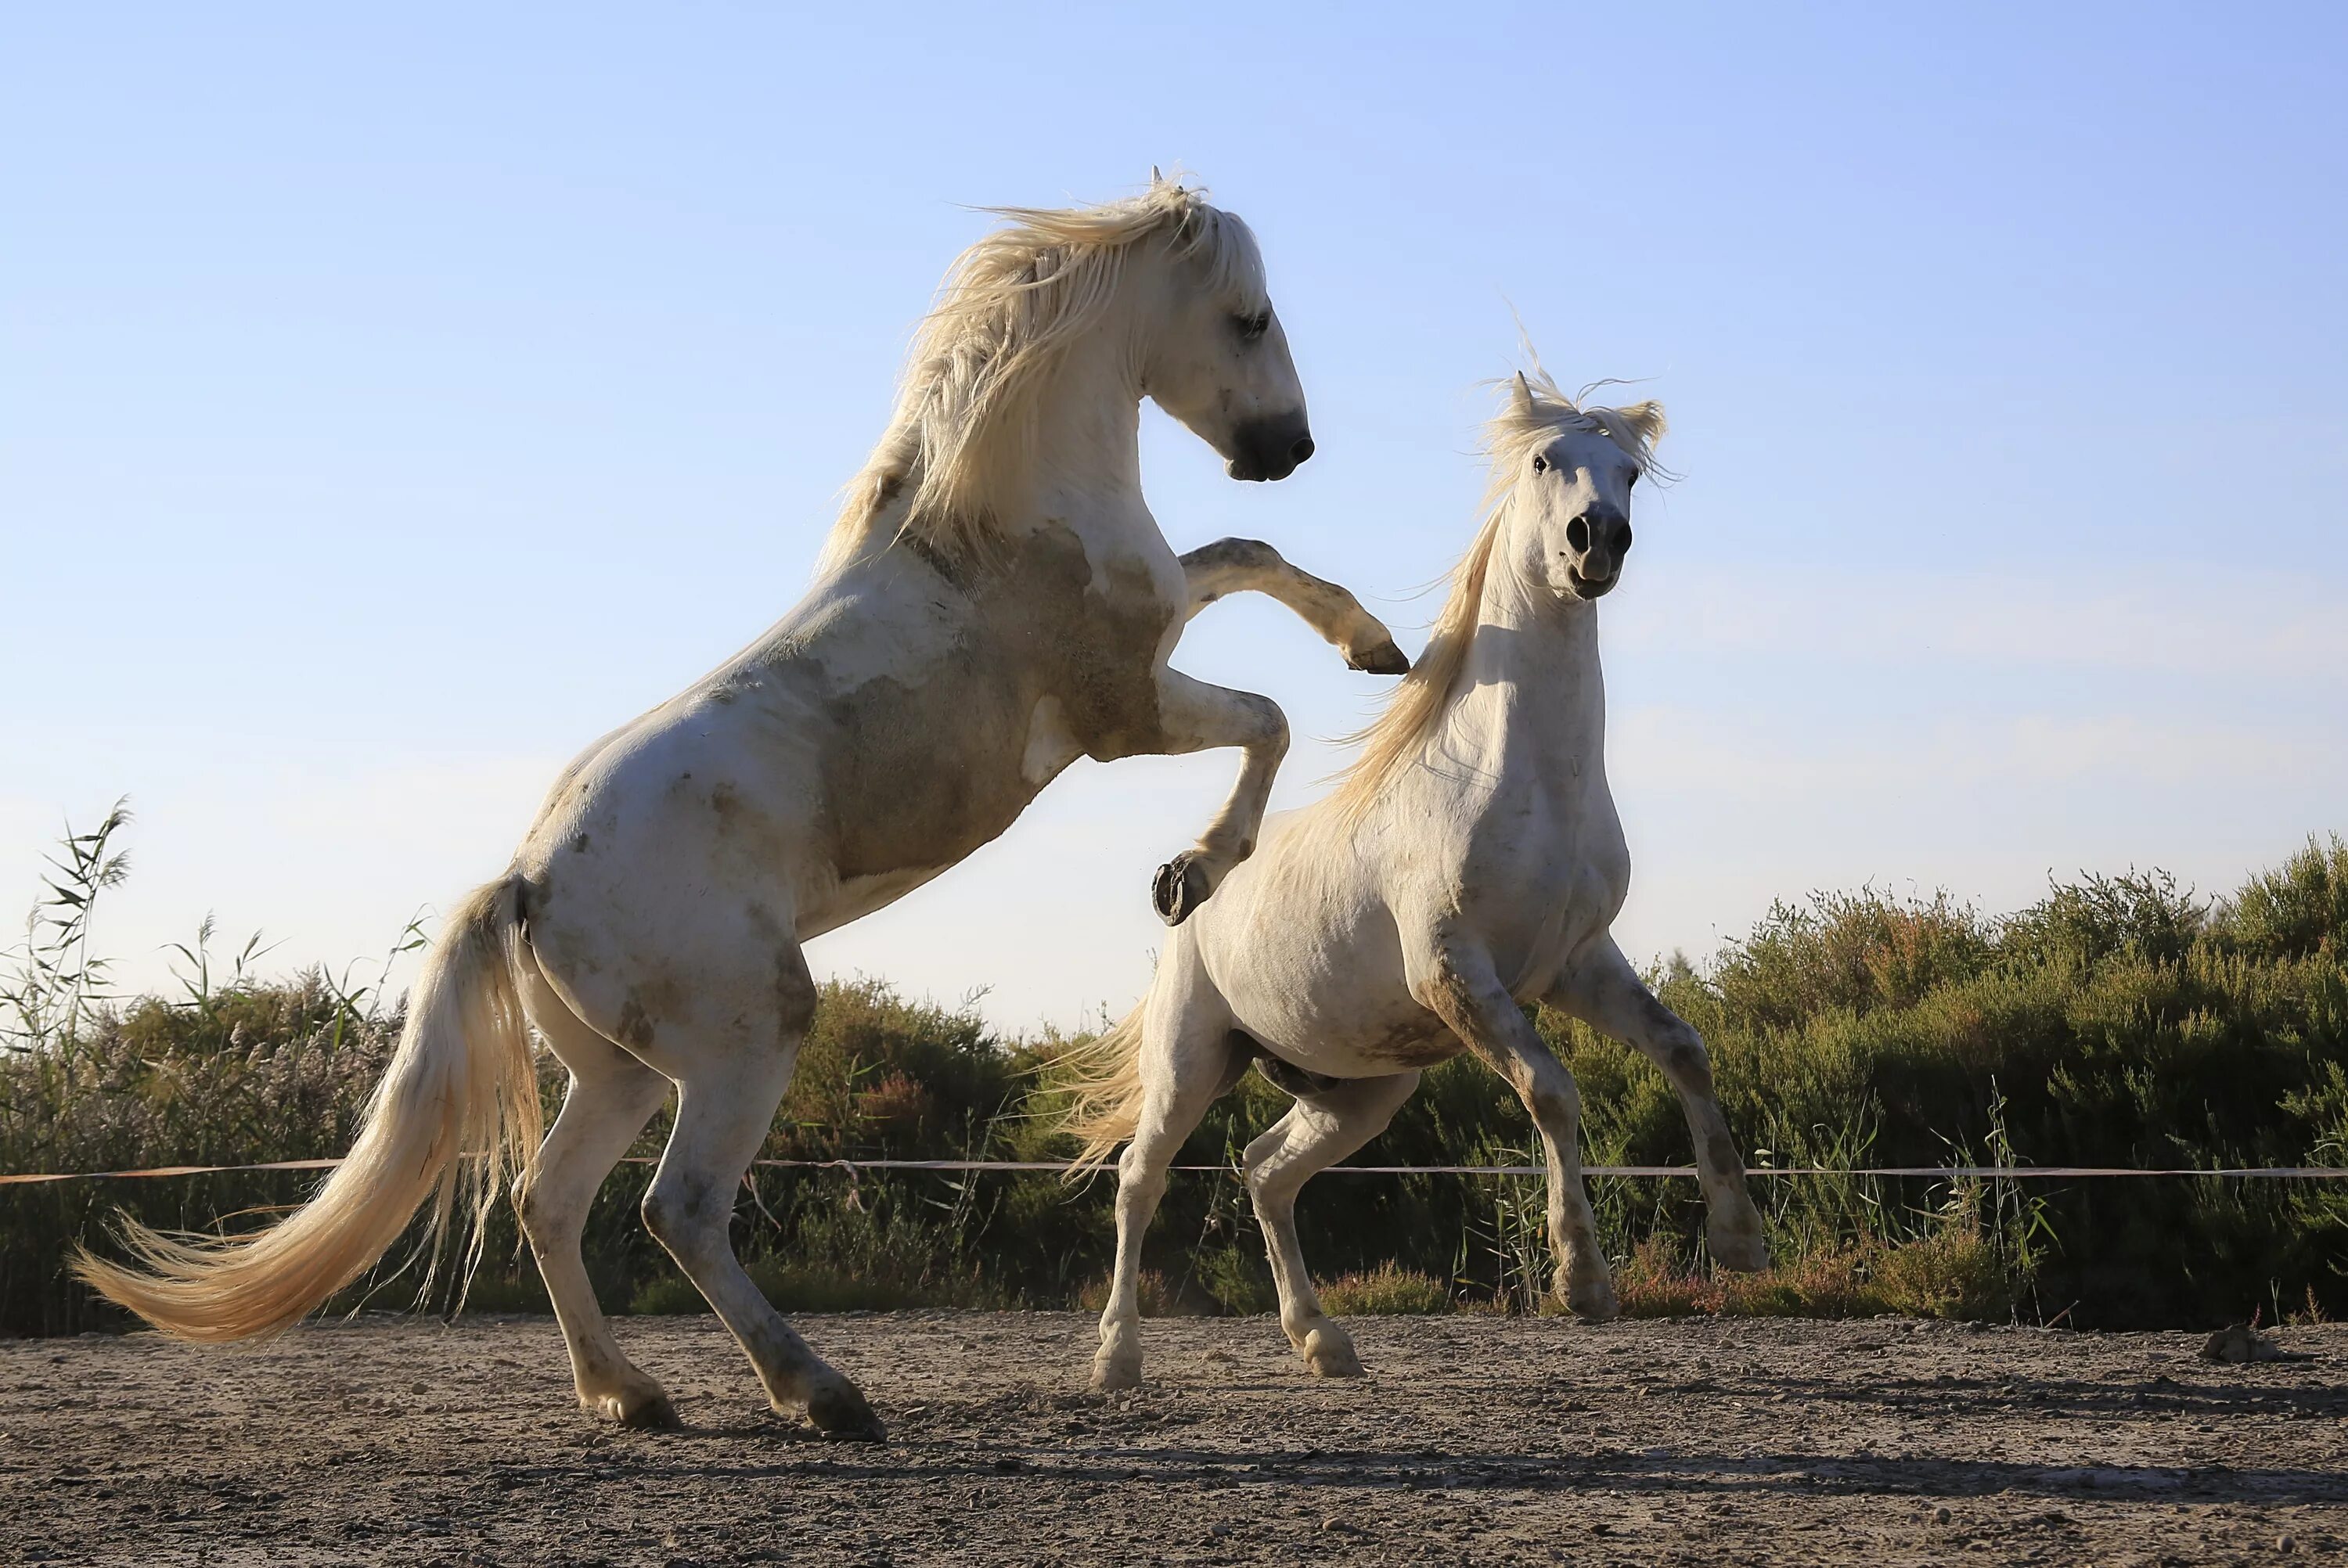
[
  {"x": 1046, "y": 660},
  {"x": 924, "y": 771},
  {"x": 1540, "y": 881},
  {"x": 1090, "y": 647}
]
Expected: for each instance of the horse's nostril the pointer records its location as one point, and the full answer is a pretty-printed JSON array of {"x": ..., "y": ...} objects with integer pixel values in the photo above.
[
  {"x": 1577, "y": 533},
  {"x": 1301, "y": 450},
  {"x": 1622, "y": 540}
]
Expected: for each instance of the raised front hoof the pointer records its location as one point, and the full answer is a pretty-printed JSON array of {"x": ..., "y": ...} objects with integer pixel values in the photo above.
[
  {"x": 1115, "y": 1374},
  {"x": 1329, "y": 1351},
  {"x": 1385, "y": 658},
  {"x": 1740, "y": 1251},
  {"x": 638, "y": 1409},
  {"x": 840, "y": 1412},
  {"x": 1181, "y": 884},
  {"x": 1593, "y": 1300}
]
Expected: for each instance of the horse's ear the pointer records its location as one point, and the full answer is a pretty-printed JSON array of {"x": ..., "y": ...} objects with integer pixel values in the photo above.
[
  {"x": 1521, "y": 396},
  {"x": 1646, "y": 421},
  {"x": 1156, "y": 178}
]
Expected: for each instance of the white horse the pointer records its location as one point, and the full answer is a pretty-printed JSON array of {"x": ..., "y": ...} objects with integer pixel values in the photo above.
[
  {"x": 1470, "y": 861},
  {"x": 994, "y": 603}
]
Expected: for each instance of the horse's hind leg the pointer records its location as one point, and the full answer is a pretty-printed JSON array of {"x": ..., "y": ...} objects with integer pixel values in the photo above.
[
  {"x": 1186, "y": 1064},
  {"x": 1607, "y": 994},
  {"x": 1322, "y": 1128},
  {"x": 729, "y": 1082},
  {"x": 610, "y": 1098}
]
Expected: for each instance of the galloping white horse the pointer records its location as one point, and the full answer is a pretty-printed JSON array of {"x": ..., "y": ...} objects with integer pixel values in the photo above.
[
  {"x": 1470, "y": 861},
  {"x": 994, "y": 603}
]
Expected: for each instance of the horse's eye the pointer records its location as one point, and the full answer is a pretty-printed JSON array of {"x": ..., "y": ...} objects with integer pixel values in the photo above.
[
  {"x": 1633, "y": 480},
  {"x": 1253, "y": 327},
  {"x": 1540, "y": 464}
]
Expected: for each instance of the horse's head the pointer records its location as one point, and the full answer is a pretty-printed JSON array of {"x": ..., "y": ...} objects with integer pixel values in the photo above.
[
  {"x": 1571, "y": 470},
  {"x": 1160, "y": 292},
  {"x": 1213, "y": 352}
]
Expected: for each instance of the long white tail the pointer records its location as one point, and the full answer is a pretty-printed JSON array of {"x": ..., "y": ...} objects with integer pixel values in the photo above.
[
  {"x": 458, "y": 1107},
  {"x": 1102, "y": 1078}
]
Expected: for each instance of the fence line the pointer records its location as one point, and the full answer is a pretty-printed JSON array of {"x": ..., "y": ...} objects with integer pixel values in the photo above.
[{"x": 1941, "y": 1172}]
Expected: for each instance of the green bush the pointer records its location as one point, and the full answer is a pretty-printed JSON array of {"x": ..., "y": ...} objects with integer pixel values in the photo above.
[{"x": 2118, "y": 1021}]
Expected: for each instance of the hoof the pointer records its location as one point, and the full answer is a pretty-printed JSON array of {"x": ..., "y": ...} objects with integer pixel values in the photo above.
[
  {"x": 1180, "y": 887},
  {"x": 1739, "y": 1251},
  {"x": 1385, "y": 658},
  {"x": 639, "y": 1409},
  {"x": 1112, "y": 1377},
  {"x": 840, "y": 1412},
  {"x": 1330, "y": 1353},
  {"x": 1593, "y": 1301}
]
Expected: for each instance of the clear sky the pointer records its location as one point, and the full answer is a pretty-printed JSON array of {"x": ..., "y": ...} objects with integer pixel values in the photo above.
[{"x": 392, "y": 403}]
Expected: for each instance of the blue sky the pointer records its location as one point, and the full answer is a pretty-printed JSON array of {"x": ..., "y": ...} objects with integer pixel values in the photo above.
[{"x": 390, "y": 405}]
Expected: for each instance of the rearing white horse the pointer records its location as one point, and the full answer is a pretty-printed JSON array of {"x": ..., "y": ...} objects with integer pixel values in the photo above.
[
  {"x": 1470, "y": 861},
  {"x": 996, "y": 601}
]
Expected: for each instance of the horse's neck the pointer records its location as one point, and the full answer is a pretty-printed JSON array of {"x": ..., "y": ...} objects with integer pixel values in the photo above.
[
  {"x": 1088, "y": 454},
  {"x": 1532, "y": 699},
  {"x": 1084, "y": 468}
]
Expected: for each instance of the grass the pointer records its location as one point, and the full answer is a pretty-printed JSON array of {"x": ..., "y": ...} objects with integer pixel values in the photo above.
[{"x": 2119, "y": 1021}]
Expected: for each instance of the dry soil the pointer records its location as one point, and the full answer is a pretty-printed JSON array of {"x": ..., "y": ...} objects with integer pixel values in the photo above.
[{"x": 1473, "y": 1440}]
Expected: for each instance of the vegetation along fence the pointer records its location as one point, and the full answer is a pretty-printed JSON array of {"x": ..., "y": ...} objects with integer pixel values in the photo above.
[{"x": 1933, "y": 1099}]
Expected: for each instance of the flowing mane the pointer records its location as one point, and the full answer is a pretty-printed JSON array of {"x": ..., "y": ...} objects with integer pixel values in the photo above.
[
  {"x": 963, "y": 433},
  {"x": 1392, "y": 741}
]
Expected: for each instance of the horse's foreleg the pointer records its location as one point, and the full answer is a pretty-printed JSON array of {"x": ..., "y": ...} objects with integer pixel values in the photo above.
[
  {"x": 1241, "y": 566},
  {"x": 1321, "y": 1129},
  {"x": 1454, "y": 979},
  {"x": 1191, "y": 717},
  {"x": 1606, "y": 993}
]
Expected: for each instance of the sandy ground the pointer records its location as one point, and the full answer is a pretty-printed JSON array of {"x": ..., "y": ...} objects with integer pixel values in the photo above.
[{"x": 388, "y": 1440}]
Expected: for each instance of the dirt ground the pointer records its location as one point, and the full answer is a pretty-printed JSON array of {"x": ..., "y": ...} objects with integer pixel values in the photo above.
[{"x": 1473, "y": 1440}]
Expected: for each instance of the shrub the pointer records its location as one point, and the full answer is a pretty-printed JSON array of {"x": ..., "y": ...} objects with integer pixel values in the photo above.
[
  {"x": 1955, "y": 1272},
  {"x": 667, "y": 1295},
  {"x": 2299, "y": 910},
  {"x": 1387, "y": 1290},
  {"x": 2117, "y": 1021},
  {"x": 1157, "y": 1299}
]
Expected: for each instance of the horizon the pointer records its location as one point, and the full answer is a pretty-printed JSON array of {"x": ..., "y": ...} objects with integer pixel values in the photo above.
[{"x": 385, "y": 422}]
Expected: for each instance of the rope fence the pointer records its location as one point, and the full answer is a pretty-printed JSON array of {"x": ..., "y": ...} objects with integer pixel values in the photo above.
[{"x": 1939, "y": 1172}]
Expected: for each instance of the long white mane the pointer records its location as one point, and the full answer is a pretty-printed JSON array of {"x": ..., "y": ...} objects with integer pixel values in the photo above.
[
  {"x": 963, "y": 433},
  {"x": 1524, "y": 423}
]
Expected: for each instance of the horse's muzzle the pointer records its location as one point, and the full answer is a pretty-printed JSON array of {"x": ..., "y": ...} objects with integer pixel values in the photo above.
[{"x": 1269, "y": 448}]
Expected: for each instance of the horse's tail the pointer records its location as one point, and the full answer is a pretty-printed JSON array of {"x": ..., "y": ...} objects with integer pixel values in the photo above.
[
  {"x": 458, "y": 1107},
  {"x": 1102, "y": 1078}
]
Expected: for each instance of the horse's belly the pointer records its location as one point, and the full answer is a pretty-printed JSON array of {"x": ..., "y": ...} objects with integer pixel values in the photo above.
[
  {"x": 1358, "y": 1042},
  {"x": 1354, "y": 1018},
  {"x": 858, "y": 896}
]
